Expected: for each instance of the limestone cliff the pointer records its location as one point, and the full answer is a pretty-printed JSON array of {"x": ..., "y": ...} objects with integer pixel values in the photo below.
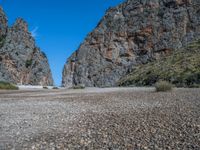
[
  {"x": 135, "y": 32},
  {"x": 21, "y": 61}
]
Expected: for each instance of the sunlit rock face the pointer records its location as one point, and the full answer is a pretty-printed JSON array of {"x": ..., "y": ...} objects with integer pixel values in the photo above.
[
  {"x": 135, "y": 32},
  {"x": 21, "y": 61}
]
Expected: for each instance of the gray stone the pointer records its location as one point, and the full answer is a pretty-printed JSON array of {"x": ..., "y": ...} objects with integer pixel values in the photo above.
[
  {"x": 21, "y": 61},
  {"x": 135, "y": 32}
]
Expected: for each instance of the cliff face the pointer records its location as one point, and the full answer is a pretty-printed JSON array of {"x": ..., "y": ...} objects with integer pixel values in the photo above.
[
  {"x": 21, "y": 61},
  {"x": 135, "y": 32},
  {"x": 180, "y": 68}
]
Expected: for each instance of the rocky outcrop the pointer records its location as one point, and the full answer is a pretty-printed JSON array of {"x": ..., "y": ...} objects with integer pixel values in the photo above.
[
  {"x": 3, "y": 26},
  {"x": 21, "y": 61},
  {"x": 135, "y": 32},
  {"x": 181, "y": 69}
]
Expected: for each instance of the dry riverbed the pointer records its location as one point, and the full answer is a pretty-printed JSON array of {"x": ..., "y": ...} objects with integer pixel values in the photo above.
[{"x": 110, "y": 118}]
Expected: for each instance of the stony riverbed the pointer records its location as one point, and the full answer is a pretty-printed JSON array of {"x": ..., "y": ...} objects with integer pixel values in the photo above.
[{"x": 110, "y": 118}]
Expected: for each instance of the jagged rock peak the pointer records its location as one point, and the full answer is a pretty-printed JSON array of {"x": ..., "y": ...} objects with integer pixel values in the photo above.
[
  {"x": 21, "y": 61},
  {"x": 21, "y": 25},
  {"x": 135, "y": 32}
]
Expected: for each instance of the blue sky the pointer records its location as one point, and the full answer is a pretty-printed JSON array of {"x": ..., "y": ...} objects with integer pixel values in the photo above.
[{"x": 59, "y": 26}]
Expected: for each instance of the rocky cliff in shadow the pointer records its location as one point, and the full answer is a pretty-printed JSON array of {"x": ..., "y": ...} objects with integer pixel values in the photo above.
[
  {"x": 135, "y": 32},
  {"x": 21, "y": 61}
]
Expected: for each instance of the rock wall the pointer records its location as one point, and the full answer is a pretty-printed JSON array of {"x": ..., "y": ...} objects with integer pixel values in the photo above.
[
  {"x": 21, "y": 61},
  {"x": 135, "y": 32}
]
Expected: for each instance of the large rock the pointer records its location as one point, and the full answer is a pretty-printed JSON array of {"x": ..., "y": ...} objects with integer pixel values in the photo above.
[
  {"x": 21, "y": 61},
  {"x": 135, "y": 32}
]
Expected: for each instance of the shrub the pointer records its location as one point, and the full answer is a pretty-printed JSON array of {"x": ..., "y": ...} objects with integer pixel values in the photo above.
[
  {"x": 28, "y": 63},
  {"x": 80, "y": 86},
  {"x": 2, "y": 41},
  {"x": 163, "y": 86},
  {"x": 194, "y": 86},
  {"x": 55, "y": 88},
  {"x": 7, "y": 86},
  {"x": 181, "y": 68},
  {"x": 44, "y": 87}
]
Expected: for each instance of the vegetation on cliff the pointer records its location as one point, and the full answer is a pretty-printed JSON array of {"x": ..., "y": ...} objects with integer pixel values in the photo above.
[
  {"x": 182, "y": 69},
  {"x": 7, "y": 86}
]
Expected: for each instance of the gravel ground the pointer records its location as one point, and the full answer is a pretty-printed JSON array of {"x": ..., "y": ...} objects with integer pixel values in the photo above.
[{"x": 110, "y": 118}]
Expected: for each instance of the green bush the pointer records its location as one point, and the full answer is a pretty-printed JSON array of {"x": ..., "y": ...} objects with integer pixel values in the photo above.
[
  {"x": 28, "y": 63},
  {"x": 2, "y": 41},
  {"x": 7, "y": 86},
  {"x": 80, "y": 86},
  {"x": 55, "y": 88},
  {"x": 163, "y": 86},
  {"x": 181, "y": 68}
]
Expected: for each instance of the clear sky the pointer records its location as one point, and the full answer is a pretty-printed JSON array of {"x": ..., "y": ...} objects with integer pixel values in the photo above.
[{"x": 59, "y": 26}]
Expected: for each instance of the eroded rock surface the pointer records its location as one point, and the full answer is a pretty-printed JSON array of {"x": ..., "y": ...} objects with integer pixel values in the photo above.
[
  {"x": 135, "y": 32},
  {"x": 21, "y": 61}
]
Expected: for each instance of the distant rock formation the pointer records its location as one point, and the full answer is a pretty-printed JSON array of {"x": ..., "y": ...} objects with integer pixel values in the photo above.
[
  {"x": 21, "y": 61},
  {"x": 135, "y": 32}
]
